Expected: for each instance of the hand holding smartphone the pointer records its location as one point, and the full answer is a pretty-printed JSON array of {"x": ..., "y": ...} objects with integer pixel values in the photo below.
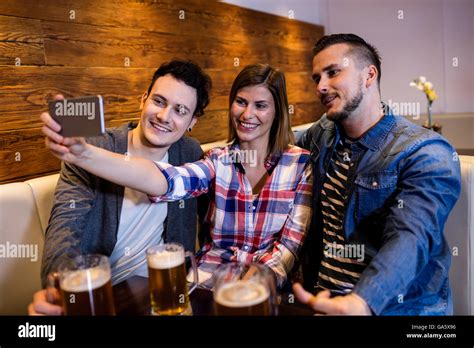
[{"x": 79, "y": 117}]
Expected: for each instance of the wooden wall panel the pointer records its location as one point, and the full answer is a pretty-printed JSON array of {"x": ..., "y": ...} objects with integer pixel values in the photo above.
[
  {"x": 20, "y": 29},
  {"x": 79, "y": 48},
  {"x": 92, "y": 46},
  {"x": 121, "y": 89},
  {"x": 21, "y": 151},
  {"x": 208, "y": 18},
  {"x": 21, "y": 41},
  {"x": 27, "y": 53}
]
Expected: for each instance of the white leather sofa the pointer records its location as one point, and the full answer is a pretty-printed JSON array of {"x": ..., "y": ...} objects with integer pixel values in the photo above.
[
  {"x": 460, "y": 235},
  {"x": 24, "y": 213},
  {"x": 25, "y": 208}
]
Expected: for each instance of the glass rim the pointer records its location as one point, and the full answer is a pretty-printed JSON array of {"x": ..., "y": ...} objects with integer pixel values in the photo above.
[
  {"x": 243, "y": 265},
  {"x": 238, "y": 270},
  {"x": 163, "y": 247},
  {"x": 83, "y": 261}
]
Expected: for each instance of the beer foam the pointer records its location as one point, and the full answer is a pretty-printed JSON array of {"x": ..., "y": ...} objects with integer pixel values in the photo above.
[
  {"x": 85, "y": 279},
  {"x": 241, "y": 294},
  {"x": 166, "y": 259}
]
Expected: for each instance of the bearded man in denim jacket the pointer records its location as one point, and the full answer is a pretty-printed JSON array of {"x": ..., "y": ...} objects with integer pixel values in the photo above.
[{"x": 383, "y": 190}]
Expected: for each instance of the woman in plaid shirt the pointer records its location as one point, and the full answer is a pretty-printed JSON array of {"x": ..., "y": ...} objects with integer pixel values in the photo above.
[{"x": 260, "y": 185}]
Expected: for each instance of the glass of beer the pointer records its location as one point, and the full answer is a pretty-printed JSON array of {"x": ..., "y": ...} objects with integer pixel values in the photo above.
[
  {"x": 86, "y": 287},
  {"x": 241, "y": 289},
  {"x": 167, "y": 279},
  {"x": 53, "y": 290}
]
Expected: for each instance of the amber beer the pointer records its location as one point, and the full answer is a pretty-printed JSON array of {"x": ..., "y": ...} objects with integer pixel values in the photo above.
[
  {"x": 86, "y": 287},
  {"x": 244, "y": 289},
  {"x": 242, "y": 298},
  {"x": 87, "y": 292},
  {"x": 167, "y": 280}
]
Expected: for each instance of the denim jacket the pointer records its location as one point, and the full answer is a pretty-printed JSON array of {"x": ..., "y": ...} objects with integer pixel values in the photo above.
[{"x": 406, "y": 180}]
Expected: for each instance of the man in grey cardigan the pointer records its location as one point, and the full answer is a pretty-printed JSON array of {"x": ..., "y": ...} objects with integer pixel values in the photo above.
[{"x": 92, "y": 215}]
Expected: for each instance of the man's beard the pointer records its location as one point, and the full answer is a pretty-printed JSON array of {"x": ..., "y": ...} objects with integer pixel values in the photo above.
[{"x": 350, "y": 106}]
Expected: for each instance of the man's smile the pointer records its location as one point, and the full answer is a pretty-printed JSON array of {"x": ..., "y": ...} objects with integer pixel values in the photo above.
[{"x": 160, "y": 127}]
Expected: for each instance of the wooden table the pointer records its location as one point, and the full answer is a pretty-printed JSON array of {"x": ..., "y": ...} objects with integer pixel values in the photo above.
[{"x": 132, "y": 298}]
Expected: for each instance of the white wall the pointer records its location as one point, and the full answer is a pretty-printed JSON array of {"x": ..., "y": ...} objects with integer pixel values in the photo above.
[
  {"x": 459, "y": 42},
  {"x": 424, "y": 42}
]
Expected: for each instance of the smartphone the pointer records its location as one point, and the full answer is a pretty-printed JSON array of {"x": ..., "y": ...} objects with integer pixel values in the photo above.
[{"x": 79, "y": 117}]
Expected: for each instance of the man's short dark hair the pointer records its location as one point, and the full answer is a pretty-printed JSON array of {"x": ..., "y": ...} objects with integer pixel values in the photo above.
[
  {"x": 192, "y": 75},
  {"x": 364, "y": 51}
]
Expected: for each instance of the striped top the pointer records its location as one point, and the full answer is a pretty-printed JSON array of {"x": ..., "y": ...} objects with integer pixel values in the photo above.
[{"x": 341, "y": 264}]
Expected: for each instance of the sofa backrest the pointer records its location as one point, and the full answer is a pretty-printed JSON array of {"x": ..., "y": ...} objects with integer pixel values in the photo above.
[
  {"x": 459, "y": 232},
  {"x": 43, "y": 193},
  {"x": 21, "y": 239},
  {"x": 23, "y": 219}
]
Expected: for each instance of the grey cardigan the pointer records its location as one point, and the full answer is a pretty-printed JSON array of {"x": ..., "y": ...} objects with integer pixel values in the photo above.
[{"x": 86, "y": 211}]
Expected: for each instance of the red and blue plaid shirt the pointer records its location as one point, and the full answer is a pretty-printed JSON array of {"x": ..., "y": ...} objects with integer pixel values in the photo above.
[{"x": 269, "y": 228}]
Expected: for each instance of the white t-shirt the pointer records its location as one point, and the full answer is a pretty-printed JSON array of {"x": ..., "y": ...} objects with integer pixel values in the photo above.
[{"x": 141, "y": 226}]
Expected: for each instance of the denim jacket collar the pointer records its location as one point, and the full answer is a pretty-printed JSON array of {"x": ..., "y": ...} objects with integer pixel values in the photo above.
[{"x": 374, "y": 139}]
